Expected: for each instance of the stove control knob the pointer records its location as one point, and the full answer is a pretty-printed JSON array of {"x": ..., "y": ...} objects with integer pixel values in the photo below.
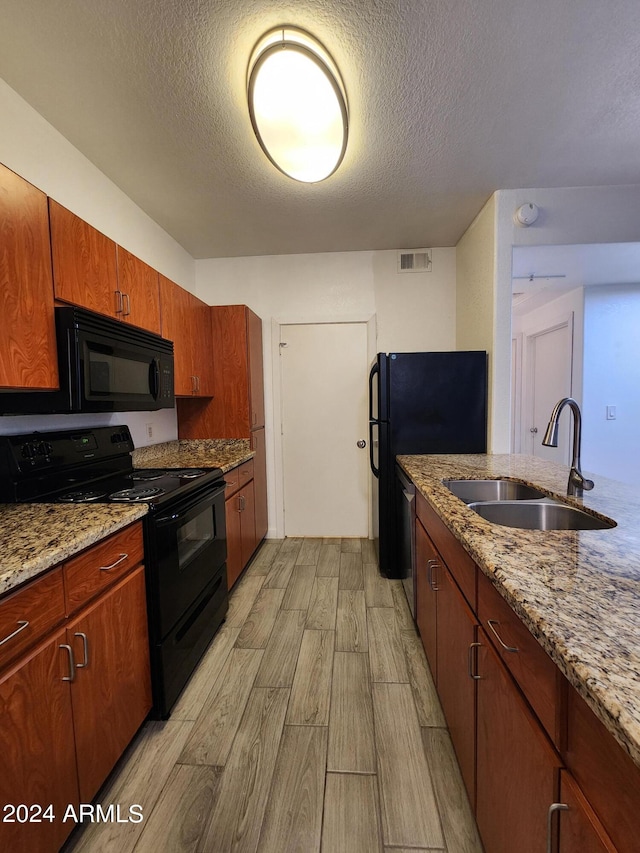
[
  {"x": 29, "y": 450},
  {"x": 43, "y": 448}
]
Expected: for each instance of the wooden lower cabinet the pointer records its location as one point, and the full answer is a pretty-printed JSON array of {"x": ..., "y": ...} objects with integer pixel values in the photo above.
[
  {"x": 37, "y": 752},
  {"x": 240, "y": 515},
  {"x": 457, "y": 627},
  {"x": 578, "y": 829},
  {"x": 517, "y": 768},
  {"x": 111, "y": 692},
  {"x": 74, "y": 697},
  {"x": 426, "y": 600}
]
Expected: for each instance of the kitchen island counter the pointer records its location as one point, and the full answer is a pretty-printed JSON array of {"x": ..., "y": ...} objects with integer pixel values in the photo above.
[
  {"x": 578, "y": 592},
  {"x": 195, "y": 453},
  {"x": 36, "y": 537}
]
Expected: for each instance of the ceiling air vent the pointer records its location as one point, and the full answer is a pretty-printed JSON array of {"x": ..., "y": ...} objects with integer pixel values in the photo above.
[{"x": 414, "y": 260}]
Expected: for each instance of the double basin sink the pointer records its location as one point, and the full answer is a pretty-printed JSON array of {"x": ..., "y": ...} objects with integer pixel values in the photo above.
[{"x": 514, "y": 504}]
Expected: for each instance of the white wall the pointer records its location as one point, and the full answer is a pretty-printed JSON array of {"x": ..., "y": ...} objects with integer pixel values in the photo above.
[
  {"x": 30, "y": 146},
  {"x": 414, "y": 311},
  {"x": 611, "y": 378}
]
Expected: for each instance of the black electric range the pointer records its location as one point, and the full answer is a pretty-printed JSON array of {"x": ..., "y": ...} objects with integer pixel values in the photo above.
[{"x": 184, "y": 532}]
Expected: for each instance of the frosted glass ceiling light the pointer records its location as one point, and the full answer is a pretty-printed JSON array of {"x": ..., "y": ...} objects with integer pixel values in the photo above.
[{"x": 298, "y": 104}]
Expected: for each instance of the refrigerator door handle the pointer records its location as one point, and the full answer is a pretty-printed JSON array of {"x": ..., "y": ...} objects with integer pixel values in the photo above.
[
  {"x": 376, "y": 471},
  {"x": 375, "y": 369}
]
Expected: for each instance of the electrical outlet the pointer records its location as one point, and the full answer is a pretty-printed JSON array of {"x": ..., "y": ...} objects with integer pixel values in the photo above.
[{"x": 149, "y": 428}]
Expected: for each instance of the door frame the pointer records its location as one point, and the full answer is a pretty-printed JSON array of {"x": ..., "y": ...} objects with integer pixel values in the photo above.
[
  {"x": 276, "y": 326},
  {"x": 560, "y": 321}
]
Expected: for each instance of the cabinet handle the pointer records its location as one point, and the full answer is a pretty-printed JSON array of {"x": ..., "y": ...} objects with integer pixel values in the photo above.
[
  {"x": 198, "y": 384},
  {"x": 120, "y": 302},
  {"x": 72, "y": 663},
  {"x": 242, "y": 503},
  {"x": 85, "y": 645},
  {"x": 128, "y": 311},
  {"x": 472, "y": 646},
  {"x": 491, "y": 623},
  {"x": 554, "y": 807},
  {"x": 23, "y": 624},
  {"x": 431, "y": 566},
  {"x": 123, "y": 557}
]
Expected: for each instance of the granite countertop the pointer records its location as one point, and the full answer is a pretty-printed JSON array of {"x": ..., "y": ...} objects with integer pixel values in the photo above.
[
  {"x": 577, "y": 591},
  {"x": 36, "y": 537},
  {"x": 224, "y": 453}
]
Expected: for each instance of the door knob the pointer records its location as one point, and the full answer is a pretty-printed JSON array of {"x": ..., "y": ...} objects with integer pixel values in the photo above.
[{"x": 361, "y": 443}]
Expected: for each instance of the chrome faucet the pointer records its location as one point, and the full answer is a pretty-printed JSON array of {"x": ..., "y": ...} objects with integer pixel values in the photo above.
[{"x": 577, "y": 482}]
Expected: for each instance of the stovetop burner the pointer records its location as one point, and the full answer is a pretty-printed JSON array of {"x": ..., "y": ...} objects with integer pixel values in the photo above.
[
  {"x": 148, "y": 474},
  {"x": 158, "y": 473},
  {"x": 140, "y": 493},
  {"x": 82, "y": 497}
]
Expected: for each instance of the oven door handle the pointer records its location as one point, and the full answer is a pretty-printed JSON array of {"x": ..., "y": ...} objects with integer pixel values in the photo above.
[{"x": 201, "y": 502}]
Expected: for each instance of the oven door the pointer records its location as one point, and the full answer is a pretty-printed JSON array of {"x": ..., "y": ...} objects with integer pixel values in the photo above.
[{"x": 186, "y": 548}]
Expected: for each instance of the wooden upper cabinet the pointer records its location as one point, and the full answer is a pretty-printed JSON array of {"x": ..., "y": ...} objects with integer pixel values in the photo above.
[
  {"x": 84, "y": 263},
  {"x": 256, "y": 381},
  {"x": 139, "y": 294},
  {"x": 27, "y": 327},
  {"x": 185, "y": 321},
  {"x": 238, "y": 389}
]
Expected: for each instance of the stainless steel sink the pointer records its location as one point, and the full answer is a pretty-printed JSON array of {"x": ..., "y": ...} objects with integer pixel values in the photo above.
[
  {"x": 539, "y": 515},
  {"x": 471, "y": 491}
]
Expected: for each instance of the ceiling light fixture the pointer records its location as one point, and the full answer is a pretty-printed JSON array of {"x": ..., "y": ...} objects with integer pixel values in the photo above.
[{"x": 297, "y": 104}]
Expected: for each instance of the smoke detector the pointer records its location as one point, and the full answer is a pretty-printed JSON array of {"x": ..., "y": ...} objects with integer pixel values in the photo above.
[{"x": 526, "y": 214}]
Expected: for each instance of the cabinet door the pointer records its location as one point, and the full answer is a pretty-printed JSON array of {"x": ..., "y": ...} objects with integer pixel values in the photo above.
[
  {"x": 37, "y": 756},
  {"x": 230, "y": 415},
  {"x": 27, "y": 329},
  {"x": 112, "y": 689},
  {"x": 517, "y": 769},
  {"x": 248, "y": 522},
  {"x": 84, "y": 263},
  {"x": 426, "y": 601},
  {"x": 138, "y": 284},
  {"x": 580, "y": 830},
  {"x": 260, "y": 482},
  {"x": 256, "y": 381},
  {"x": 202, "y": 355},
  {"x": 456, "y": 686},
  {"x": 175, "y": 326},
  {"x": 234, "y": 539}
]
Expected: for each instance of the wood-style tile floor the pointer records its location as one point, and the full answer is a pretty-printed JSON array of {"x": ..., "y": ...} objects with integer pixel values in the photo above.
[{"x": 311, "y": 724}]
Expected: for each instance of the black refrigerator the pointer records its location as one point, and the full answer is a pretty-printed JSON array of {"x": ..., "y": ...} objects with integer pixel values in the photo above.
[{"x": 420, "y": 402}]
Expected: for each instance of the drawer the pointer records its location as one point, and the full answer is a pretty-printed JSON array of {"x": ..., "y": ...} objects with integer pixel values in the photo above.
[
  {"x": 30, "y": 613},
  {"x": 458, "y": 561},
  {"x": 98, "y": 567},
  {"x": 245, "y": 472},
  {"x": 232, "y": 479},
  {"x": 536, "y": 674}
]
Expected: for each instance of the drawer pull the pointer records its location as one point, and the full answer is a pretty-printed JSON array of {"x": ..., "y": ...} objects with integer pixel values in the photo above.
[
  {"x": 473, "y": 646},
  {"x": 85, "y": 644},
  {"x": 554, "y": 807},
  {"x": 491, "y": 623},
  {"x": 431, "y": 577},
  {"x": 123, "y": 557},
  {"x": 72, "y": 663},
  {"x": 23, "y": 624}
]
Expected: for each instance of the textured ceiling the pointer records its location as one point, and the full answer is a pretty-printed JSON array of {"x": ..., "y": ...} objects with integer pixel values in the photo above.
[{"x": 449, "y": 100}]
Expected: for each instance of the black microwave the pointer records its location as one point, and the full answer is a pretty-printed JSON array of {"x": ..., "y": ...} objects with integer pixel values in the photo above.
[{"x": 104, "y": 365}]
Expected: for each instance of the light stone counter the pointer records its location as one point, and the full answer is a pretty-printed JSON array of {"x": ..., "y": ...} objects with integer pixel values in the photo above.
[
  {"x": 36, "y": 537},
  {"x": 224, "y": 453},
  {"x": 577, "y": 591}
]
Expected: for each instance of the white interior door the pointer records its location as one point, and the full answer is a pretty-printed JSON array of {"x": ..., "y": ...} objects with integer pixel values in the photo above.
[
  {"x": 549, "y": 356},
  {"x": 324, "y": 371}
]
